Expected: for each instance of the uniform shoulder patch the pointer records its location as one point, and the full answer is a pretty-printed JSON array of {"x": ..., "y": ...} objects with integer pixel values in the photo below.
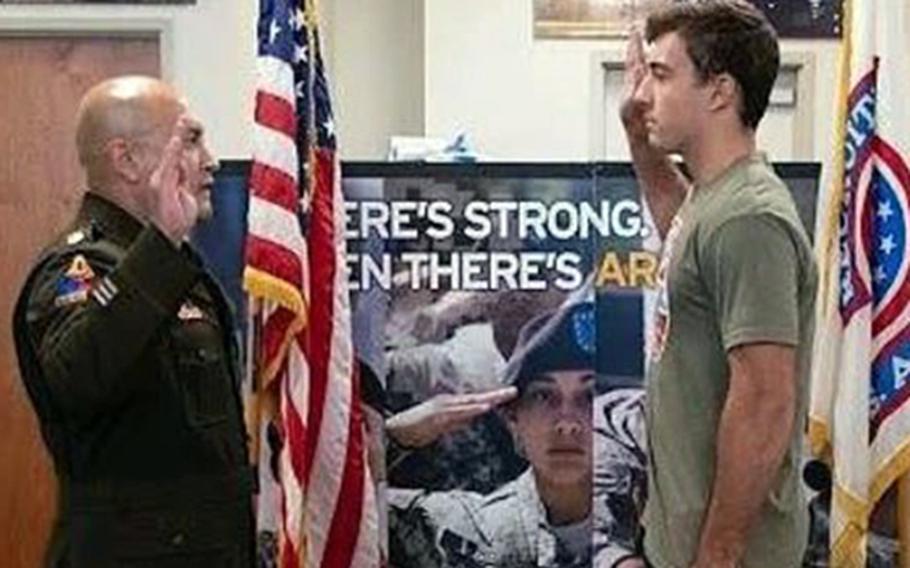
[{"x": 75, "y": 284}]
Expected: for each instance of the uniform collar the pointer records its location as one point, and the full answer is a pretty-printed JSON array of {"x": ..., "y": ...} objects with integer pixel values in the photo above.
[{"x": 109, "y": 218}]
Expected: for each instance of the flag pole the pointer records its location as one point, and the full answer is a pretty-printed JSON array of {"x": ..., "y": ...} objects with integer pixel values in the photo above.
[
  {"x": 903, "y": 519},
  {"x": 253, "y": 370}
]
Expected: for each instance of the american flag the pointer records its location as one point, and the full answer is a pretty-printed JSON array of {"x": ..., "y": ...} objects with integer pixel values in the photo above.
[
  {"x": 860, "y": 414},
  {"x": 317, "y": 499}
]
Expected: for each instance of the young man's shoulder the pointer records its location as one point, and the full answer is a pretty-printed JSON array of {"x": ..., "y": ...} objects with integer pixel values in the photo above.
[{"x": 756, "y": 192}]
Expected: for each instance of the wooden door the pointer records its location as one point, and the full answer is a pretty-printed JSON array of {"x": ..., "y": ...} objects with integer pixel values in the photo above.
[{"x": 40, "y": 186}]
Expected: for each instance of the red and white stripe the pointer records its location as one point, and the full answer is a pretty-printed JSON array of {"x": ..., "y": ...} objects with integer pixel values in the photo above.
[
  {"x": 339, "y": 479},
  {"x": 328, "y": 511},
  {"x": 277, "y": 251}
]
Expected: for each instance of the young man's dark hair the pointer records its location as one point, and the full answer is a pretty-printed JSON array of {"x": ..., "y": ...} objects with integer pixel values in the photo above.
[{"x": 726, "y": 37}]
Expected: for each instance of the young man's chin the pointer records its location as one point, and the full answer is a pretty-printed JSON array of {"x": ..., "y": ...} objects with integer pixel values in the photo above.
[{"x": 660, "y": 143}]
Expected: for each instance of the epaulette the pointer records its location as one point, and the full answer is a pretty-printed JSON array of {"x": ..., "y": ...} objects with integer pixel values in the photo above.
[
  {"x": 75, "y": 237},
  {"x": 87, "y": 236},
  {"x": 84, "y": 241},
  {"x": 79, "y": 235}
]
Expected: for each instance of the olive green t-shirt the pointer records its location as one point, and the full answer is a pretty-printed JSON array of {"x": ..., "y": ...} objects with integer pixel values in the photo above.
[{"x": 737, "y": 268}]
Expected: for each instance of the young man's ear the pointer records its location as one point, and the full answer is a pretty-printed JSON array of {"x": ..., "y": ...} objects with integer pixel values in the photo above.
[{"x": 725, "y": 92}]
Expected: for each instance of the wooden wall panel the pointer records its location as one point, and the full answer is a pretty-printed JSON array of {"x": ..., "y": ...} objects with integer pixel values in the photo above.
[{"x": 40, "y": 186}]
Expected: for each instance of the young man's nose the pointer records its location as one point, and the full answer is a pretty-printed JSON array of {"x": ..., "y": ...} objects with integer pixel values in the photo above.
[{"x": 642, "y": 95}]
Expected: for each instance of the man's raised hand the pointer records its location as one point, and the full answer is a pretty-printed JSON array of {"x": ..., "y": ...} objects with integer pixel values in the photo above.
[{"x": 174, "y": 210}]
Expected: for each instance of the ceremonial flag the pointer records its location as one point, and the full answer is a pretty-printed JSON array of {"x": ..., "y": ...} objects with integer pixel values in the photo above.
[
  {"x": 860, "y": 405},
  {"x": 317, "y": 497}
]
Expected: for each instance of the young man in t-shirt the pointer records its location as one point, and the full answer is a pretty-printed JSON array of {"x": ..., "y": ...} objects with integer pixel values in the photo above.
[{"x": 729, "y": 353}]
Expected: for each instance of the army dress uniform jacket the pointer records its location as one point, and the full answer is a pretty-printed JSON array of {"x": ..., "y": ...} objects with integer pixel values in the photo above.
[{"x": 126, "y": 351}]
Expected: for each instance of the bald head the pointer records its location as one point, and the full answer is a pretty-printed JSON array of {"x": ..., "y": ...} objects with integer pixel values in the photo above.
[{"x": 124, "y": 108}]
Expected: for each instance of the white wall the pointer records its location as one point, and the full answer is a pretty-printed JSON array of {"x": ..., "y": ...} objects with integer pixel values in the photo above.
[
  {"x": 404, "y": 67},
  {"x": 526, "y": 99},
  {"x": 519, "y": 99},
  {"x": 375, "y": 59},
  {"x": 374, "y": 55},
  {"x": 211, "y": 56}
]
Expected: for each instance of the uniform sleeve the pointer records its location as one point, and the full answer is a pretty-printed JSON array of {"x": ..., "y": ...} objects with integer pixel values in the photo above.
[
  {"x": 85, "y": 345},
  {"x": 750, "y": 267}
]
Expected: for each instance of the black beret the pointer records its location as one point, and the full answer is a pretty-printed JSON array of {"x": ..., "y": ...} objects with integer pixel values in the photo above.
[{"x": 560, "y": 340}]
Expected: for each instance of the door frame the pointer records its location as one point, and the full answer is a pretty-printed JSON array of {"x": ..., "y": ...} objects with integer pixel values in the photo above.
[{"x": 160, "y": 28}]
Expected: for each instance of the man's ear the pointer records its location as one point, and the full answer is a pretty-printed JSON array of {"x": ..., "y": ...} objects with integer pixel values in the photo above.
[
  {"x": 725, "y": 92},
  {"x": 121, "y": 155}
]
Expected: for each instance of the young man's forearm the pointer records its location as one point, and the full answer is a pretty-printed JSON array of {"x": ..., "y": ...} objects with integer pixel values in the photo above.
[
  {"x": 753, "y": 435},
  {"x": 661, "y": 182}
]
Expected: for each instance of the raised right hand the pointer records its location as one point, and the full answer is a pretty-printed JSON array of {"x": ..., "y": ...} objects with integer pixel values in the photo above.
[
  {"x": 631, "y": 111},
  {"x": 174, "y": 210}
]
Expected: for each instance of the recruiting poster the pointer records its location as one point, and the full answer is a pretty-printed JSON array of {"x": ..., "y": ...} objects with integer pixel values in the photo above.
[
  {"x": 502, "y": 313},
  {"x": 500, "y": 319}
]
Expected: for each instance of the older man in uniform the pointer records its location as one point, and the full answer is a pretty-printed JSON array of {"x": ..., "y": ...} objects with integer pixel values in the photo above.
[{"x": 126, "y": 350}]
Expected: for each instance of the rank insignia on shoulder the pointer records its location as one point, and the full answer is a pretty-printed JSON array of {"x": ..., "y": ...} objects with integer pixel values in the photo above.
[
  {"x": 105, "y": 292},
  {"x": 75, "y": 238},
  {"x": 189, "y": 312},
  {"x": 75, "y": 284}
]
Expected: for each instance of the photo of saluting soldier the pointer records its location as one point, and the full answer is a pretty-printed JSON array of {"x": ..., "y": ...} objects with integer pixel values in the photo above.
[{"x": 544, "y": 516}]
